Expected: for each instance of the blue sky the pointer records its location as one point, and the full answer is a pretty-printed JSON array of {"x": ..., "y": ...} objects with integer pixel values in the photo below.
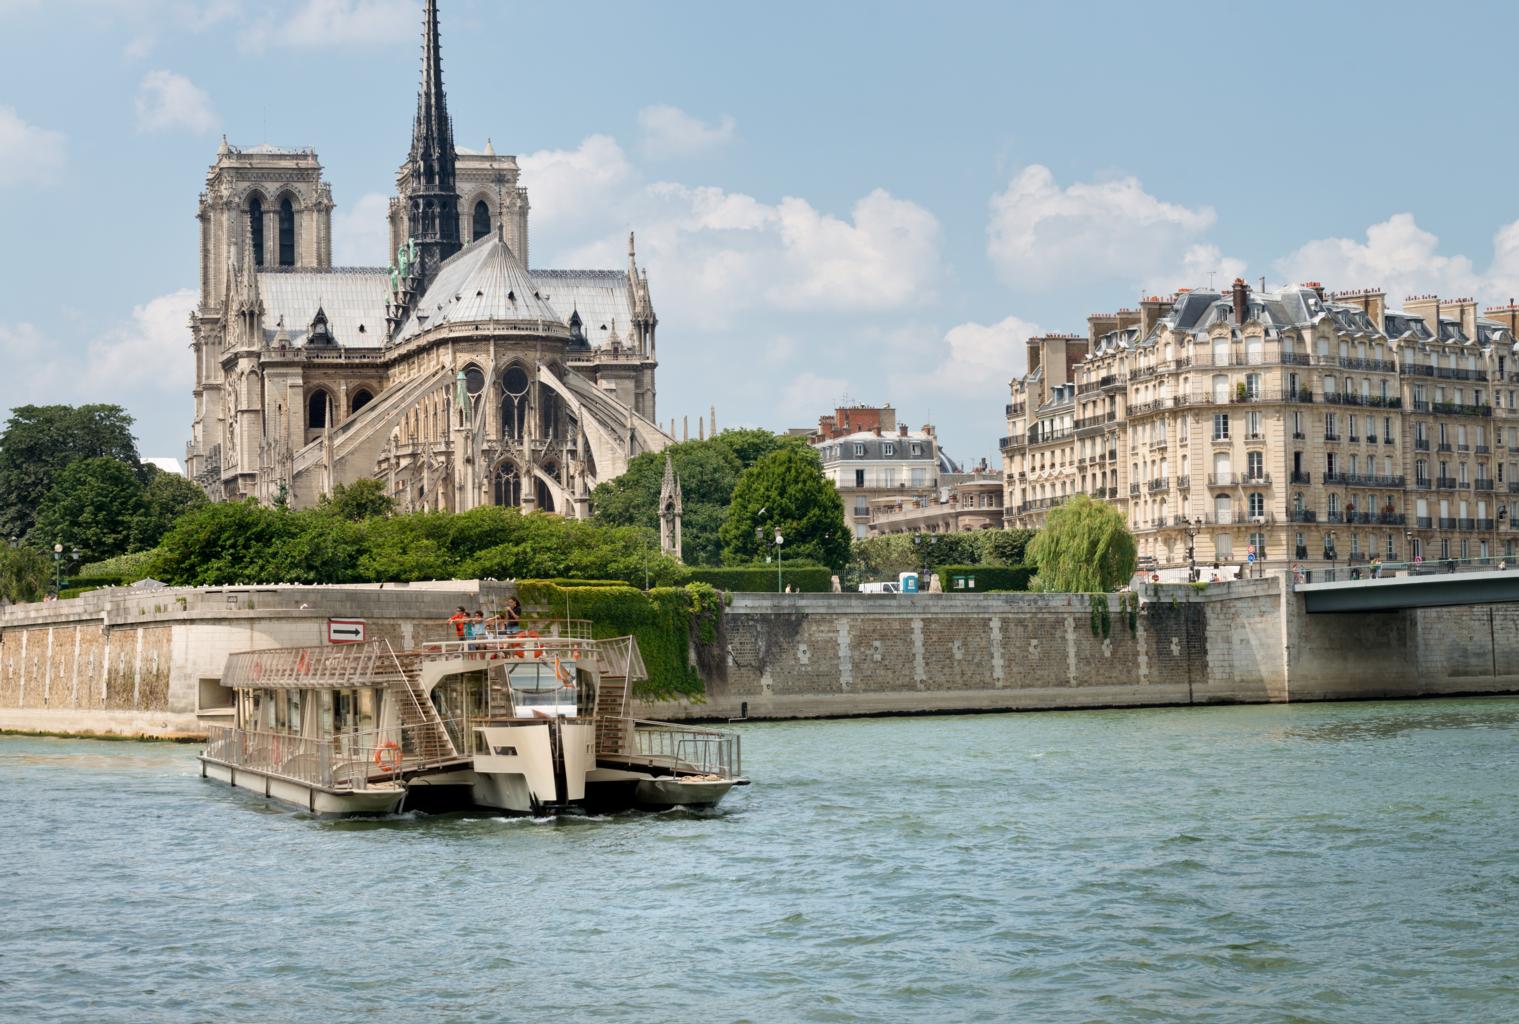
[{"x": 874, "y": 201}]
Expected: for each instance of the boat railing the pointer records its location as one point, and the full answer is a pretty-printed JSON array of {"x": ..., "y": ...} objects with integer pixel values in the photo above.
[
  {"x": 342, "y": 761},
  {"x": 684, "y": 749},
  {"x": 526, "y": 644},
  {"x": 337, "y": 666}
]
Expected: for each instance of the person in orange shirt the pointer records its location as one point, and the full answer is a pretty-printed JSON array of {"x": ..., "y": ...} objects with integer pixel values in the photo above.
[{"x": 459, "y": 619}]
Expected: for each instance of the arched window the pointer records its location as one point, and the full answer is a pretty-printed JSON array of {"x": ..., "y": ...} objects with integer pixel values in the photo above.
[
  {"x": 287, "y": 233},
  {"x": 548, "y": 414},
  {"x": 361, "y": 398},
  {"x": 316, "y": 410},
  {"x": 481, "y": 225},
  {"x": 507, "y": 485},
  {"x": 256, "y": 229},
  {"x": 514, "y": 403},
  {"x": 544, "y": 495},
  {"x": 1223, "y": 509}
]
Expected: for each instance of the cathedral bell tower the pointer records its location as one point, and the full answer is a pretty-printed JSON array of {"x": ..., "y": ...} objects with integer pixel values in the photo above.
[{"x": 430, "y": 194}]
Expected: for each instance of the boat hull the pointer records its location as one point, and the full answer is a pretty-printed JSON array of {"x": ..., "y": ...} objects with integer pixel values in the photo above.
[
  {"x": 663, "y": 793},
  {"x": 303, "y": 796}
]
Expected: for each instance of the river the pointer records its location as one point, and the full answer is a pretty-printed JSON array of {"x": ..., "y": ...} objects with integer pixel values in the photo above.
[{"x": 1331, "y": 862}]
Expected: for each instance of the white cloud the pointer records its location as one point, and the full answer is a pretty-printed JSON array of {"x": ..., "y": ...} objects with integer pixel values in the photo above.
[
  {"x": 1042, "y": 234},
  {"x": 322, "y": 24},
  {"x": 27, "y": 153},
  {"x": 671, "y": 132},
  {"x": 978, "y": 360},
  {"x": 361, "y": 233},
  {"x": 1403, "y": 259},
  {"x": 568, "y": 187},
  {"x": 807, "y": 394},
  {"x": 168, "y": 102},
  {"x": 141, "y": 363},
  {"x": 716, "y": 256},
  {"x": 148, "y": 353}
]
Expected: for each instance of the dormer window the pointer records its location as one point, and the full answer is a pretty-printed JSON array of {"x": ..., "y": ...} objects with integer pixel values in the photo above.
[
  {"x": 888, "y": 449},
  {"x": 917, "y": 449},
  {"x": 859, "y": 450}
]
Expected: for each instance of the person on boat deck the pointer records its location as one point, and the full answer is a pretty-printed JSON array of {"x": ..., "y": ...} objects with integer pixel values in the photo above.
[
  {"x": 512, "y": 617},
  {"x": 460, "y": 620},
  {"x": 475, "y": 629}
]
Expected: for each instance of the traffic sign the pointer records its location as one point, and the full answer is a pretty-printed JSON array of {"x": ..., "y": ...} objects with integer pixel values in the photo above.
[
  {"x": 1250, "y": 557},
  {"x": 345, "y": 631}
]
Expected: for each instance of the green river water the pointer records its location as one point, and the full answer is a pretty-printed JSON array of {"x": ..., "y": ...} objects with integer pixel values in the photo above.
[{"x": 1332, "y": 862}]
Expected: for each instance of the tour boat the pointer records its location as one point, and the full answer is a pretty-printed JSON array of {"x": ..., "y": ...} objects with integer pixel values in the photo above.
[{"x": 530, "y": 722}]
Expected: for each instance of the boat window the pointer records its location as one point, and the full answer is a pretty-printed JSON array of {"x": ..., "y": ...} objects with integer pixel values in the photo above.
[
  {"x": 506, "y": 751},
  {"x": 293, "y": 715}
]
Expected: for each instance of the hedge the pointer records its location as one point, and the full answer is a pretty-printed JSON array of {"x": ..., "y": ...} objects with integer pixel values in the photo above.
[
  {"x": 666, "y": 621},
  {"x": 809, "y": 579},
  {"x": 988, "y": 578}
]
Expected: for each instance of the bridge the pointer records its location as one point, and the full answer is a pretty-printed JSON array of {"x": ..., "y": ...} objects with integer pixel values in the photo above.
[{"x": 1405, "y": 587}]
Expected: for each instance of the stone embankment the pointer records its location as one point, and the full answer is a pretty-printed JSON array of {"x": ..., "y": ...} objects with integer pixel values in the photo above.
[{"x": 133, "y": 663}]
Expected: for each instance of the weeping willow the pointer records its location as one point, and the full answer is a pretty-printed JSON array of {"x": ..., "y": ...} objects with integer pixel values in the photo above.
[{"x": 1084, "y": 548}]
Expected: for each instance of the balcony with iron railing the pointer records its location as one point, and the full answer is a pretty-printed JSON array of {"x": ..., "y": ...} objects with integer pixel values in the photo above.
[
  {"x": 1445, "y": 483},
  {"x": 1424, "y": 482},
  {"x": 1096, "y": 421},
  {"x": 1015, "y": 441},
  {"x": 1364, "y": 479},
  {"x": 1444, "y": 446},
  {"x": 1159, "y": 484},
  {"x": 1374, "y": 365},
  {"x": 1368, "y": 401},
  {"x": 1443, "y": 372},
  {"x": 1423, "y": 522},
  {"x": 1483, "y": 485},
  {"x": 1302, "y": 515},
  {"x": 1421, "y": 444},
  {"x": 1301, "y": 477},
  {"x": 1461, "y": 409},
  {"x": 1483, "y": 449}
]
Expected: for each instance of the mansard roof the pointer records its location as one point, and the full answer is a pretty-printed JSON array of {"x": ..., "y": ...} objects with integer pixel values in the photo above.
[
  {"x": 603, "y": 298},
  {"x": 484, "y": 283}
]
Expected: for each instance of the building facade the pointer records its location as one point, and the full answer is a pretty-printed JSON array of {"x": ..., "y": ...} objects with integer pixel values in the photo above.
[
  {"x": 456, "y": 375},
  {"x": 963, "y": 502},
  {"x": 867, "y": 456},
  {"x": 1297, "y": 425}
]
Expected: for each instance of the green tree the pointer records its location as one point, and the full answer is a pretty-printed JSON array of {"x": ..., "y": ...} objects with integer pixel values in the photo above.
[
  {"x": 96, "y": 506},
  {"x": 25, "y": 574},
  {"x": 1003, "y": 547},
  {"x": 1085, "y": 547},
  {"x": 167, "y": 496},
  {"x": 708, "y": 472},
  {"x": 360, "y": 500},
  {"x": 40, "y": 441},
  {"x": 786, "y": 491},
  {"x": 225, "y": 543},
  {"x": 751, "y": 444}
]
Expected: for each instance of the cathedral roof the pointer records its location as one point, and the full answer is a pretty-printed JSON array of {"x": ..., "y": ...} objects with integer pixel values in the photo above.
[
  {"x": 352, "y": 297},
  {"x": 484, "y": 283},
  {"x": 601, "y": 297}
]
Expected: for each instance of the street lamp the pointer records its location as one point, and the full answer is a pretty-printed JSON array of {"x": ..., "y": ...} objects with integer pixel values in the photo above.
[
  {"x": 1193, "y": 527},
  {"x": 759, "y": 539},
  {"x": 926, "y": 551},
  {"x": 57, "y": 569}
]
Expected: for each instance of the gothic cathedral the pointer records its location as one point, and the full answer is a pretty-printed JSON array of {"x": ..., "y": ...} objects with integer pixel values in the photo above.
[{"x": 456, "y": 375}]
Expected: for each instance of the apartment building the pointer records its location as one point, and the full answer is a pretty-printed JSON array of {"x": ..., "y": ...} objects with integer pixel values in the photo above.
[
  {"x": 866, "y": 454},
  {"x": 1297, "y": 425}
]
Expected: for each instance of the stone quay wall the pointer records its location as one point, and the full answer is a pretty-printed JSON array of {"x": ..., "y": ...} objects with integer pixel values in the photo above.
[
  {"x": 149, "y": 662},
  {"x": 805, "y": 655}
]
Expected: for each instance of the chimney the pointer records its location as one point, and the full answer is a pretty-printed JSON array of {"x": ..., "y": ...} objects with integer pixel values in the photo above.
[
  {"x": 1241, "y": 300},
  {"x": 903, "y": 429},
  {"x": 1151, "y": 309}
]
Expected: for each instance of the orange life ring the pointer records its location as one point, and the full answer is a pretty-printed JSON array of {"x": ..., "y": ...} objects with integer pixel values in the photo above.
[{"x": 387, "y": 756}]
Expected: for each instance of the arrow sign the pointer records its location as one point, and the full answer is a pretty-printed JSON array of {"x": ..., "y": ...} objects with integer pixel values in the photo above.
[{"x": 345, "y": 631}]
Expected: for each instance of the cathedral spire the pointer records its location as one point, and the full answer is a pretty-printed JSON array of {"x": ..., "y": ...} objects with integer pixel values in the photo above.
[{"x": 432, "y": 201}]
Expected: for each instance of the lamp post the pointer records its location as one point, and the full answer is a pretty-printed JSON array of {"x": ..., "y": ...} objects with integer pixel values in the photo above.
[
  {"x": 57, "y": 569},
  {"x": 779, "y": 540},
  {"x": 1193, "y": 527},
  {"x": 925, "y": 551},
  {"x": 1408, "y": 546}
]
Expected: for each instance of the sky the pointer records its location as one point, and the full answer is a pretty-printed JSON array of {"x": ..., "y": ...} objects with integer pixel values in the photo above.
[{"x": 836, "y": 202}]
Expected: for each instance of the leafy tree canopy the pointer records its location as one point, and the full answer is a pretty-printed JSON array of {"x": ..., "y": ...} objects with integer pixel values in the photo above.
[
  {"x": 40, "y": 441},
  {"x": 751, "y": 444},
  {"x": 883, "y": 558},
  {"x": 360, "y": 500},
  {"x": 708, "y": 471},
  {"x": 96, "y": 506},
  {"x": 1085, "y": 547},
  {"x": 786, "y": 490},
  {"x": 167, "y": 496},
  {"x": 25, "y": 574}
]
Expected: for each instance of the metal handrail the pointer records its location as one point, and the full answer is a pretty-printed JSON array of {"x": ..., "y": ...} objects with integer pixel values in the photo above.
[
  {"x": 342, "y": 761},
  {"x": 686, "y": 749}
]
